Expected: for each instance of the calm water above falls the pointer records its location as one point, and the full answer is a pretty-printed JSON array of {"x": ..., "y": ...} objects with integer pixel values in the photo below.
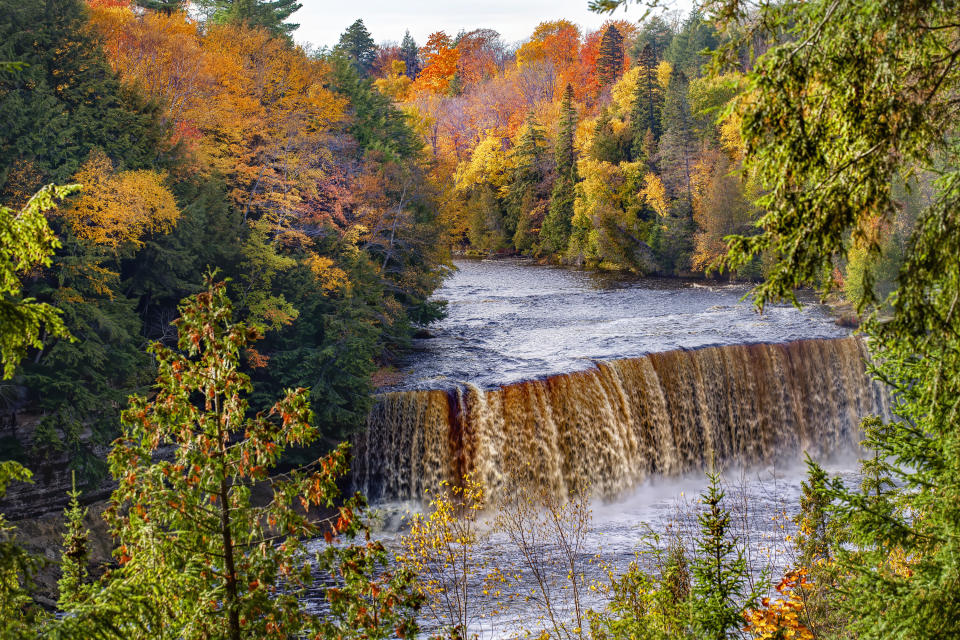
[{"x": 510, "y": 320}]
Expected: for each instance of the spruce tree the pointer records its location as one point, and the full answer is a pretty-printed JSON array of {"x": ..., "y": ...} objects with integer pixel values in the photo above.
[
  {"x": 556, "y": 226},
  {"x": 526, "y": 178},
  {"x": 75, "y": 554},
  {"x": 647, "y": 98},
  {"x": 721, "y": 588},
  {"x": 357, "y": 45},
  {"x": 267, "y": 14},
  {"x": 410, "y": 54},
  {"x": 610, "y": 56}
]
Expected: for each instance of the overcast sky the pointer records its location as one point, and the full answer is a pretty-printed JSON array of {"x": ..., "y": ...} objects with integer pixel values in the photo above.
[{"x": 322, "y": 21}]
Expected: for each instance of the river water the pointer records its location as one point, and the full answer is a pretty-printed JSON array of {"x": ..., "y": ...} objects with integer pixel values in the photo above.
[
  {"x": 513, "y": 320},
  {"x": 510, "y": 322}
]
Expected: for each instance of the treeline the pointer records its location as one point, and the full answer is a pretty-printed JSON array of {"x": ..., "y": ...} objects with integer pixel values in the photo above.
[
  {"x": 599, "y": 149},
  {"x": 613, "y": 149},
  {"x": 206, "y": 144}
]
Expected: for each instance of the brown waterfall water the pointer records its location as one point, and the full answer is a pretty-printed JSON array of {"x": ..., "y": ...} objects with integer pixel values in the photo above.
[{"x": 610, "y": 427}]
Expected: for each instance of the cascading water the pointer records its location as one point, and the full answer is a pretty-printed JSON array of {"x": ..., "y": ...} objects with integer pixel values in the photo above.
[{"x": 622, "y": 421}]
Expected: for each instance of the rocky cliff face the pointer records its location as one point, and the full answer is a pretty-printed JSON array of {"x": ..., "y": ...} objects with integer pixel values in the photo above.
[{"x": 51, "y": 471}]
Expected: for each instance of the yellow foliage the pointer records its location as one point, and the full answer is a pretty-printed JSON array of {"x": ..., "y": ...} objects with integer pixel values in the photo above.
[
  {"x": 119, "y": 209},
  {"x": 330, "y": 277},
  {"x": 396, "y": 84},
  {"x": 441, "y": 550},
  {"x": 654, "y": 194},
  {"x": 625, "y": 89},
  {"x": 664, "y": 69},
  {"x": 487, "y": 165}
]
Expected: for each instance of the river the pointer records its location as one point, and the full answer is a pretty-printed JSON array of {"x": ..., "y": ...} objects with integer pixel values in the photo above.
[
  {"x": 566, "y": 383},
  {"x": 513, "y": 320}
]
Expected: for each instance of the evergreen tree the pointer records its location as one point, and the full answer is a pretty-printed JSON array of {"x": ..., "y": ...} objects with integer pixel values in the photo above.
[
  {"x": 18, "y": 613},
  {"x": 678, "y": 145},
  {"x": 267, "y": 14},
  {"x": 66, "y": 101},
  {"x": 656, "y": 33},
  {"x": 686, "y": 50},
  {"x": 834, "y": 180},
  {"x": 357, "y": 46},
  {"x": 189, "y": 532},
  {"x": 609, "y": 144},
  {"x": 377, "y": 124},
  {"x": 527, "y": 182},
  {"x": 26, "y": 242},
  {"x": 647, "y": 101},
  {"x": 556, "y": 226},
  {"x": 75, "y": 554},
  {"x": 410, "y": 54},
  {"x": 610, "y": 56},
  {"x": 720, "y": 575},
  {"x": 167, "y": 7}
]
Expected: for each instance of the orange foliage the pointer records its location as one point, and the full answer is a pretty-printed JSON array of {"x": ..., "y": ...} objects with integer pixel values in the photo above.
[
  {"x": 118, "y": 209},
  {"x": 781, "y": 619},
  {"x": 249, "y": 106},
  {"x": 481, "y": 55},
  {"x": 557, "y": 41},
  {"x": 440, "y": 59}
]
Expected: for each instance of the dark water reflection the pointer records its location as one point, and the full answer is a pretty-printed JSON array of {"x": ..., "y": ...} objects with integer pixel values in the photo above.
[{"x": 511, "y": 320}]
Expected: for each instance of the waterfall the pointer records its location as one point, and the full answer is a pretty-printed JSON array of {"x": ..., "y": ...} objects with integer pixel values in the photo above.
[{"x": 608, "y": 428}]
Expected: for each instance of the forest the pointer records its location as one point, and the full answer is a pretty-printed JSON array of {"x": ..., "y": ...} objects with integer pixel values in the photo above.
[{"x": 216, "y": 243}]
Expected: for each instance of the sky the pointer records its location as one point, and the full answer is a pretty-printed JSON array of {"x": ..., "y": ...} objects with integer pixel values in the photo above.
[{"x": 322, "y": 21}]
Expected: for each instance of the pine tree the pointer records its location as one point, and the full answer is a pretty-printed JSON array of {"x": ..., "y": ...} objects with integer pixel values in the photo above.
[
  {"x": 75, "y": 554},
  {"x": 167, "y": 7},
  {"x": 410, "y": 54},
  {"x": 66, "y": 101},
  {"x": 267, "y": 14},
  {"x": 556, "y": 226},
  {"x": 720, "y": 575},
  {"x": 610, "y": 56},
  {"x": 647, "y": 99},
  {"x": 358, "y": 46},
  {"x": 525, "y": 186}
]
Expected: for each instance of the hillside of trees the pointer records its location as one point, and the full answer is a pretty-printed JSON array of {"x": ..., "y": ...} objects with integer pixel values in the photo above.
[
  {"x": 212, "y": 242},
  {"x": 226, "y": 149},
  {"x": 616, "y": 149}
]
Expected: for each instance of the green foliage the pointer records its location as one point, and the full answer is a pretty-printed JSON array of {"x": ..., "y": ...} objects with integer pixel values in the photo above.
[
  {"x": 410, "y": 54},
  {"x": 647, "y": 102},
  {"x": 75, "y": 554},
  {"x": 163, "y": 6},
  {"x": 358, "y": 47},
  {"x": 648, "y": 606},
  {"x": 828, "y": 178},
  {"x": 557, "y": 225},
  {"x": 268, "y": 14},
  {"x": 66, "y": 101},
  {"x": 18, "y": 613},
  {"x": 610, "y": 56},
  {"x": 377, "y": 125},
  {"x": 721, "y": 589},
  {"x": 188, "y": 526},
  {"x": 26, "y": 242}
]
